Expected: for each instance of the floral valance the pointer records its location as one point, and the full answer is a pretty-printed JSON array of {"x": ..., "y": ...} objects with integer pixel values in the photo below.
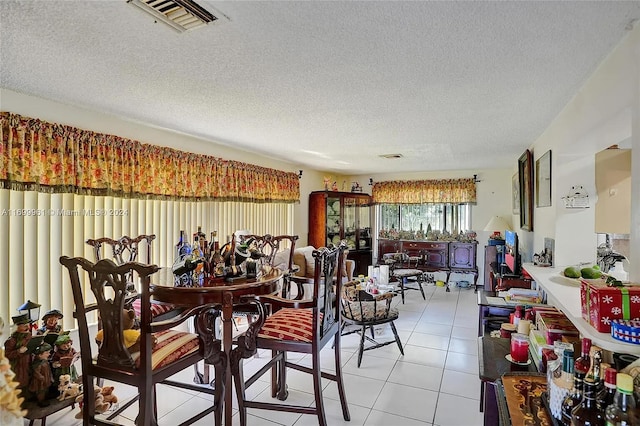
[
  {"x": 49, "y": 157},
  {"x": 454, "y": 191}
]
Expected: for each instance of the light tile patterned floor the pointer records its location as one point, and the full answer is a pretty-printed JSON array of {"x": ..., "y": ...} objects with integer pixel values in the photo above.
[{"x": 434, "y": 383}]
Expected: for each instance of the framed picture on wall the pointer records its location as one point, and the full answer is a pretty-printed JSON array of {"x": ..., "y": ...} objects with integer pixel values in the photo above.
[
  {"x": 525, "y": 179},
  {"x": 543, "y": 180},
  {"x": 515, "y": 194}
]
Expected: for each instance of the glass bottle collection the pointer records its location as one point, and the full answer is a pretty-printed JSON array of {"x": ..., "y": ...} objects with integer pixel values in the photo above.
[
  {"x": 595, "y": 399},
  {"x": 203, "y": 260}
]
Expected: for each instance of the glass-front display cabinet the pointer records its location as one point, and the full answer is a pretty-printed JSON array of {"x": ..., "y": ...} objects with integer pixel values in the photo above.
[{"x": 335, "y": 216}]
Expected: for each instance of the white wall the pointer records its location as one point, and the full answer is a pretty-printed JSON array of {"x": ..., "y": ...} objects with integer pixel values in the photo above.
[{"x": 604, "y": 112}]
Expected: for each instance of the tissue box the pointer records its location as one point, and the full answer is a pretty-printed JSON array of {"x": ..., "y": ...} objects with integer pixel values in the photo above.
[{"x": 600, "y": 304}]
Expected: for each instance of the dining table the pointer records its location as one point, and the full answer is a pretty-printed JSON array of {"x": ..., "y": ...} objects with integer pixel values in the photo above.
[{"x": 222, "y": 297}]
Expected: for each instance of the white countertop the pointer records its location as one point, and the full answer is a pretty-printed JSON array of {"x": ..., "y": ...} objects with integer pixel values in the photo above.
[{"x": 564, "y": 294}]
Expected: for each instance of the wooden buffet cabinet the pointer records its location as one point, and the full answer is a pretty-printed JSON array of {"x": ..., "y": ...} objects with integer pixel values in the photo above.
[
  {"x": 335, "y": 216},
  {"x": 449, "y": 256}
]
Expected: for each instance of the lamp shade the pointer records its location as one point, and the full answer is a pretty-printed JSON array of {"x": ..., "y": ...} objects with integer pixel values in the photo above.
[{"x": 497, "y": 224}]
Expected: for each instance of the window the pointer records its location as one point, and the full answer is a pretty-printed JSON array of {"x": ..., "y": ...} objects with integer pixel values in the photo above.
[{"x": 409, "y": 217}]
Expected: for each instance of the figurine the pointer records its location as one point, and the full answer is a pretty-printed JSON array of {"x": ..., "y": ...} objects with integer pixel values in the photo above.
[
  {"x": 334, "y": 186},
  {"x": 326, "y": 182},
  {"x": 11, "y": 413},
  {"x": 63, "y": 358},
  {"x": 41, "y": 377},
  {"x": 16, "y": 349},
  {"x": 50, "y": 323}
]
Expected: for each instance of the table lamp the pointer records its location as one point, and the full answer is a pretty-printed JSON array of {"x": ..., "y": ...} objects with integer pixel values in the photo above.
[{"x": 497, "y": 225}]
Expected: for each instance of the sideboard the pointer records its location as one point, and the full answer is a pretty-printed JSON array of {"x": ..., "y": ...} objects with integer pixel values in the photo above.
[{"x": 432, "y": 256}]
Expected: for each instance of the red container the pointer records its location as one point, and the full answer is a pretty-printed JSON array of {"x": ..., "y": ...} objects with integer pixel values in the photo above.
[
  {"x": 519, "y": 348},
  {"x": 601, "y": 304}
]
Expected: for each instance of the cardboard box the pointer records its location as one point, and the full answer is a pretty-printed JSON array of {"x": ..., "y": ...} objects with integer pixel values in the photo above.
[
  {"x": 553, "y": 325},
  {"x": 600, "y": 304}
]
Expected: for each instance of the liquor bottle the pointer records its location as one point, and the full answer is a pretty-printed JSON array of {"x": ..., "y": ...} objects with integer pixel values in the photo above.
[
  {"x": 573, "y": 399},
  {"x": 217, "y": 260},
  {"x": 605, "y": 398},
  {"x": 595, "y": 371},
  {"x": 624, "y": 402},
  {"x": 588, "y": 412},
  {"x": 583, "y": 363},
  {"x": 179, "y": 245}
]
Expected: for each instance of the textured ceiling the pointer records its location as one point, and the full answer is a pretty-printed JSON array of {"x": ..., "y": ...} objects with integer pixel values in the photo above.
[{"x": 328, "y": 85}]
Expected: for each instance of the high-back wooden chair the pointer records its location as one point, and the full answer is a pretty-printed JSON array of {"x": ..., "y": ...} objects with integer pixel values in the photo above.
[
  {"x": 269, "y": 246},
  {"x": 126, "y": 249},
  {"x": 303, "y": 326},
  {"x": 366, "y": 311},
  {"x": 157, "y": 354}
]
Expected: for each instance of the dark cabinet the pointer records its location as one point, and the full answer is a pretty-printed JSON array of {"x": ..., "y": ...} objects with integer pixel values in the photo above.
[
  {"x": 434, "y": 255},
  {"x": 336, "y": 216},
  {"x": 462, "y": 255}
]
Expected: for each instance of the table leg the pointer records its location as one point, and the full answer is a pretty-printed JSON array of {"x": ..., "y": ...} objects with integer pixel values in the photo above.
[
  {"x": 227, "y": 344},
  {"x": 213, "y": 355}
]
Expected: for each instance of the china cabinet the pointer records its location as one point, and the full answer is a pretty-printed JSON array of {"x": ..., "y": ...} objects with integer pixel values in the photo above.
[{"x": 335, "y": 216}]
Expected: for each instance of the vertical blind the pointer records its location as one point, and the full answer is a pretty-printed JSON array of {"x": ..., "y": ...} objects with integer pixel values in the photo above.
[{"x": 37, "y": 228}]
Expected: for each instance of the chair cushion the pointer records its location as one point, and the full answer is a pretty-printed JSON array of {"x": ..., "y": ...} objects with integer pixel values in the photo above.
[
  {"x": 368, "y": 313},
  {"x": 289, "y": 324},
  {"x": 402, "y": 273},
  {"x": 171, "y": 346},
  {"x": 157, "y": 309}
]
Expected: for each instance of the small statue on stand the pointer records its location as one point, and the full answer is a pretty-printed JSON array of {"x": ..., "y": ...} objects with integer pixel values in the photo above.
[
  {"x": 50, "y": 323},
  {"x": 15, "y": 349},
  {"x": 41, "y": 377},
  {"x": 63, "y": 358}
]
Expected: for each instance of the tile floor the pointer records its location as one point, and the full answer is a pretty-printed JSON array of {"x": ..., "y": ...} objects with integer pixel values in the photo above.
[{"x": 434, "y": 383}]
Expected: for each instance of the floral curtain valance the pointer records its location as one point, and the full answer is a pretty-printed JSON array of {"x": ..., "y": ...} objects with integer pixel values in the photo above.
[
  {"x": 425, "y": 191},
  {"x": 49, "y": 157}
]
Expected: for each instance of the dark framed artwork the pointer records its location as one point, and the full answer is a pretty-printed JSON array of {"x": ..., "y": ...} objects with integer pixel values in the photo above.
[
  {"x": 525, "y": 178},
  {"x": 515, "y": 194},
  {"x": 543, "y": 180}
]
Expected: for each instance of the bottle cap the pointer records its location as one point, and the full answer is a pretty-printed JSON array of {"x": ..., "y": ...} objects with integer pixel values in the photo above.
[
  {"x": 610, "y": 375},
  {"x": 586, "y": 345},
  {"x": 624, "y": 382}
]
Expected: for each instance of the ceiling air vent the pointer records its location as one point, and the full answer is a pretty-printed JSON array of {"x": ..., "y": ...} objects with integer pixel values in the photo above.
[
  {"x": 391, "y": 156},
  {"x": 181, "y": 15}
]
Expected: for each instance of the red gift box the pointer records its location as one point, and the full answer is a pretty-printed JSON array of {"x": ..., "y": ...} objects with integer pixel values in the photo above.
[{"x": 600, "y": 304}]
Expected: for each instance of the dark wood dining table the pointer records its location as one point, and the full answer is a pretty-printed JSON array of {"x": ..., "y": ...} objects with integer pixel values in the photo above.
[{"x": 224, "y": 296}]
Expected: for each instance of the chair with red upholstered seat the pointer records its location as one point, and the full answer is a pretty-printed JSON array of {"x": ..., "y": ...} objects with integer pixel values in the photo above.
[
  {"x": 126, "y": 249},
  {"x": 160, "y": 352},
  {"x": 303, "y": 326}
]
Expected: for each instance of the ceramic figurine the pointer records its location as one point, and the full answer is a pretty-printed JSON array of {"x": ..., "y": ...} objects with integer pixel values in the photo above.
[
  {"x": 41, "y": 377},
  {"x": 63, "y": 358},
  {"x": 15, "y": 349},
  {"x": 11, "y": 413},
  {"x": 50, "y": 323}
]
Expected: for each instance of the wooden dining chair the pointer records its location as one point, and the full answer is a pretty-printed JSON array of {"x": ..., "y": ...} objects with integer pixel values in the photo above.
[
  {"x": 127, "y": 249},
  {"x": 367, "y": 311},
  {"x": 158, "y": 353},
  {"x": 303, "y": 326}
]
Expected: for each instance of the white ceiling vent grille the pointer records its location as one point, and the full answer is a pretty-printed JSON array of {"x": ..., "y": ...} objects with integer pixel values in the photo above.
[
  {"x": 181, "y": 15},
  {"x": 391, "y": 155}
]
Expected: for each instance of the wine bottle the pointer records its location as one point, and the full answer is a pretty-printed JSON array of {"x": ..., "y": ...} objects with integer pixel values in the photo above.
[
  {"x": 588, "y": 413},
  {"x": 605, "y": 398},
  {"x": 180, "y": 244}
]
